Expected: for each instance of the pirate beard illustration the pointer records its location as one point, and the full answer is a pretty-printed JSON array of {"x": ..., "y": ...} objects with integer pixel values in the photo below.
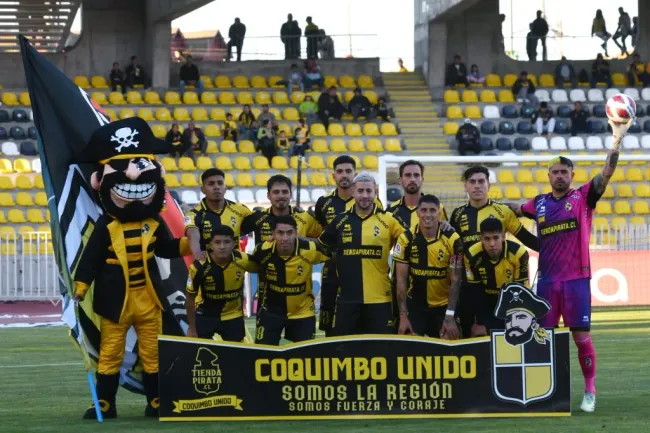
[{"x": 519, "y": 327}]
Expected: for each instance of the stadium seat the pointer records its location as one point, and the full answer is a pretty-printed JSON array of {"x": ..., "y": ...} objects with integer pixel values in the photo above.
[
  {"x": 622, "y": 207},
  {"x": 204, "y": 163},
  {"x": 7, "y": 183},
  {"x": 450, "y": 128},
  {"x": 316, "y": 162},
  {"x": 594, "y": 143},
  {"x": 347, "y": 81},
  {"x": 9, "y": 98},
  {"x": 222, "y": 82},
  {"x": 159, "y": 131},
  {"x": 134, "y": 97},
  {"x": 577, "y": 95},
  {"x": 619, "y": 80},
  {"x": 635, "y": 127},
  {"x": 559, "y": 96},
  {"x": 17, "y": 133},
  {"x": 488, "y": 96},
  {"x": 16, "y": 216},
  {"x": 365, "y": 82},
  {"x": 277, "y": 163},
  {"x": 495, "y": 193},
  {"x": 632, "y": 93},
  {"x": 493, "y": 80},
  {"x": 524, "y": 176},
  {"x": 281, "y": 98},
  {"x": 641, "y": 207},
  {"x": 240, "y": 82},
  {"x": 451, "y": 96},
  {"x": 261, "y": 179},
  {"x": 524, "y": 127},
  {"x": 356, "y": 146},
  {"x": 5, "y": 164},
  {"x": 512, "y": 192},
  {"x": 631, "y": 142},
  {"x": 336, "y": 130},
  {"x": 244, "y": 98},
  {"x": 274, "y": 79},
  {"x": 539, "y": 144},
  {"x": 469, "y": 96},
  {"x": 509, "y": 80},
  {"x": 146, "y": 114},
  {"x": 19, "y": 116},
  {"x": 473, "y": 112},
  {"x": 562, "y": 126},
  {"x": 4, "y": 116},
  {"x": 259, "y": 163},
  {"x": 576, "y": 143},
  {"x": 338, "y": 145},
  {"x": 228, "y": 146},
  {"x": 98, "y": 82},
  {"x": 9, "y": 148},
  {"x": 611, "y": 92},
  {"x": 189, "y": 180},
  {"x": 640, "y": 111},
  {"x": 504, "y": 144},
  {"x": 546, "y": 80},
  {"x": 212, "y": 130},
  {"x": 393, "y": 145},
  {"x": 509, "y": 112},
  {"x": 151, "y": 97},
  {"x": 603, "y": 208},
  {"x": 35, "y": 216},
  {"x": 181, "y": 114},
  {"x": 208, "y": 98},
  {"x": 242, "y": 163},
  {"x": 491, "y": 112},
  {"x": 318, "y": 130},
  {"x": 388, "y": 129},
  {"x": 169, "y": 164},
  {"x": 505, "y": 176},
  {"x": 227, "y": 98},
  {"x": 542, "y": 95},
  {"x": 530, "y": 191},
  {"x": 454, "y": 112},
  {"x": 522, "y": 144},
  {"x": 223, "y": 163},
  {"x": 246, "y": 146},
  {"x": 597, "y": 127},
  {"x": 352, "y": 129},
  {"x": 258, "y": 82},
  {"x": 558, "y": 143},
  {"x": 486, "y": 144},
  {"x": 186, "y": 164},
  {"x": 371, "y": 129},
  {"x": 126, "y": 113},
  {"x": 22, "y": 165},
  {"x": 218, "y": 114},
  {"x": 374, "y": 145},
  {"x": 370, "y": 162},
  {"x": 506, "y": 128},
  {"x": 595, "y": 95},
  {"x": 81, "y": 81},
  {"x": 199, "y": 114},
  {"x": 4, "y": 135},
  {"x": 506, "y": 96},
  {"x": 304, "y": 181},
  {"x": 624, "y": 191}
]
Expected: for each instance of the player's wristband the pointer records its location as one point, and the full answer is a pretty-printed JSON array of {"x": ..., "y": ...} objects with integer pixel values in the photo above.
[{"x": 450, "y": 313}]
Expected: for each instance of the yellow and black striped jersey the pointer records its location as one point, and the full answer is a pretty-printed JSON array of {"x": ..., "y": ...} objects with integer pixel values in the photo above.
[
  {"x": 330, "y": 205},
  {"x": 259, "y": 223},
  {"x": 512, "y": 266},
  {"x": 429, "y": 261},
  {"x": 205, "y": 219},
  {"x": 218, "y": 289},
  {"x": 288, "y": 289},
  {"x": 362, "y": 246},
  {"x": 408, "y": 214}
]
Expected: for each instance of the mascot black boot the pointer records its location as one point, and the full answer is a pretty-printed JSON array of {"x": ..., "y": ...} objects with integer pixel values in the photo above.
[
  {"x": 106, "y": 389},
  {"x": 151, "y": 391}
]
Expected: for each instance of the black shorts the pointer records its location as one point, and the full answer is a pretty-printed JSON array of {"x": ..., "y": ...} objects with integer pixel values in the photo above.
[
  {"x": 230, "y": 330},
  {"x": 270, "y": 326},
  {"x": 428, "y": 320},
  {"x": 327, "y": 306},
  {"x": 352, "y": 318},
  {"x": 477, "y": 307}
]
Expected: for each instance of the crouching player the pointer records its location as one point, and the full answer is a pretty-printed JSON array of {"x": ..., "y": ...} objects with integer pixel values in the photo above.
[{"x": 215, "y": 288}]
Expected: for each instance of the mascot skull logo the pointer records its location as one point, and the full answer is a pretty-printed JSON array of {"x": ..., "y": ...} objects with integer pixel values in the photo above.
[{"x": 124, "y": 136}]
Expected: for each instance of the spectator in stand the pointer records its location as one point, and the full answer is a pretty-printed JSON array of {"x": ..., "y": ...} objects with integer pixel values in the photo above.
[
  {"x": 524, "y": 90},
  {"x": 600, "y": 72},
  {"x": 330, "y": 107},
  {"x": 456, "y": 72},
  {"x": 599, "y": 29},
  {"x": 300, "y": 139},
  {"x": 135, "y": 75},
  {"x": 313, "y": 35},
  {"x": 286, "y": 36},
  {"x": 297, "y": 33},
  {"x": 543, "y": 120},
  {"x": 247, "y": 123},
  {"x": 623, "y": 30},
  {"x": 312, "y": 75},
  {"x": 565, "y": 73},
  {"x": 579, "y": 120},
  {"x": 282, "y": 144},
  {"x": 635, "y": 30},
  {"x": 325, "y": 46},
  {"x": 190, "y": 76},
  {"x": 540, "y": 30},
  {"x": 531, "y": 44},
  {"x": 360, "y": 106},
  {"x": 116, "y": 77},
  {"x": 230, "y": 128},
  {"x": 400, "y": 63},
  {"x": 266, "y": 140},
  {"x": 236, "y": 33},
  {"x": 193, "y": 140},
  {"x": 468, "y": 138},
  {"x": 308, "y": 110},
  {"x": 636, "y": 72},
  {"x": 474, "y": 76},
  {"x": 382, "y": 110},
  {"x": 295, "y": 76},
  {"x": 175, "y": 138},
  {"x": 267, "y": 115}
]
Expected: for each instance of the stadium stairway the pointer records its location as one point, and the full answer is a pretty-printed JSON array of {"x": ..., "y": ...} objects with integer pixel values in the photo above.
[{"x": 421, "y": 129}]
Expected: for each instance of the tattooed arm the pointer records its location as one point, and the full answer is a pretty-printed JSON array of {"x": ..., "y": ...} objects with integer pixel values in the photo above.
[
  {"x": 402, "y": 275},
  {"x": 601, "y": 180},
  {"x": 449, "y": 328}
]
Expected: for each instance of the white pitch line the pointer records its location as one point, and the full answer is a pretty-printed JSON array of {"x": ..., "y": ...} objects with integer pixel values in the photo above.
[{"x": 56, "y": 364}]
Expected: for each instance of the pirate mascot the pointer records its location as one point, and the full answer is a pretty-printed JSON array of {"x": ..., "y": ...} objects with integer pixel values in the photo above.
[{"x": 119, "y": 256}]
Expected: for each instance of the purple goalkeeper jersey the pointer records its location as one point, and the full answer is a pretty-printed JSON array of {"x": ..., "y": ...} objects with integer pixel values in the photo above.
[{"x": 563, "y": 229}]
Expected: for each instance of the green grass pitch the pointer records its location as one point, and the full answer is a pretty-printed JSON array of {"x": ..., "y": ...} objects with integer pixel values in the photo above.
[{"x": 43, "y": 388}]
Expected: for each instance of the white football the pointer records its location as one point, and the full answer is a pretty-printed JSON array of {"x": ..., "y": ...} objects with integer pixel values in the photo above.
[{"x": 620, "y": 108}]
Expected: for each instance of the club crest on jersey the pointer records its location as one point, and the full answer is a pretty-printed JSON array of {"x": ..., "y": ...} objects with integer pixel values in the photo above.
[
  {"x": 376, "y": 231},
  {"x": 300, "y": 270},
  {"x": 441, "y": 254},
  {"x": 145, "y": 229},
  {"x": 568, "y": 206},
  {"x": 233, "y": 221}
]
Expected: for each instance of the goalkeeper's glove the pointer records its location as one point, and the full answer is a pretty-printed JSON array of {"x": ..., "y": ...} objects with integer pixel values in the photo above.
[{"x": 618, "y": 131}]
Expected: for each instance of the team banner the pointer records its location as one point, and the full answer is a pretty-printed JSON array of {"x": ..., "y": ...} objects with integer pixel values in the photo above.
[{"x": 506, "y": 374}]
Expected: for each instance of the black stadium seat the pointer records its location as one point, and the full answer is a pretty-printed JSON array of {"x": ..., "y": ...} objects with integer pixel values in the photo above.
[
  {"x": 509, "y": 112},
  {"x": 524, "y": 127},
  {"x": 597, "y": 127},
  {"x": 646, "y": 126},
  {"x": 562, "y": 126},
  {"x": 28, "y": 148},
  {"x": 522, "y": 144},
  {"x": 527, "y": 112},
  {"x": 486, "y": 144},
  {"x": 31, "y": 132},
  {"x": 635, "y": 128},
  {"x": 3, "y": 133},
  {"x": 488, "y": 127},
  {"x": 17, "y": 133},
  {"x": 4, "y": 116},
  {"x": 504, "y": 144},
  {"x": 20, "y": 116},
  {"x": 599, "y": 111},
  {"x": 640, "y": 111},
  {"x": 393, "y": 194},
  {"x": 506, "y": 128},
  {"x": 564, "y": 111}
]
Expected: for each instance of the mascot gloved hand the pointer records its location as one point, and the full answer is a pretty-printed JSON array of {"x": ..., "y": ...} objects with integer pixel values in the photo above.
[{"x": 119, "y": 256}]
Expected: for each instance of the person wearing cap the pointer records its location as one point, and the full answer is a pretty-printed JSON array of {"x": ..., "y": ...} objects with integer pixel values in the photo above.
[
  {"x": 119, "y": 257},
  {"x": 469, "y": 138}
]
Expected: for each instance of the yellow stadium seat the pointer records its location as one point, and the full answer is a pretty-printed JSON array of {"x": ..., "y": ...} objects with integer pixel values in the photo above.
[
  {"x": 16, "y": 216},
  {"x": 319, "y": 145},
  {"x": 258, "y": 82},
  {"x": 524, "y": 176},
  {"x": 9, "y": 98},
  {"x": 604, "y": 208},
  {"x": 505, "y": 176},
  {"x": 5, "y": 166},
  {"x": 547, "y": 80},
  {"x": 450, "y": 128},
  {"x": 134, "y": 97},
  {"x": 181, "y": 114},
  {"x": 159, "y": 131},
  {"x": 473, "y": 112},
  {"x": 99, "y": 82},
  {"x": 647, "y": 174},
  {"x": 261, "y": 179},
  {"x": 24, "y": 199},
  {"x": 278, "y": 163},
  {"x": 541, "y": 176},
  {"x": 100, "y": 98},
  {"x": 388, "y": 129},
  {"x": 316, "y": 162},
  {"x": 293, "y": 162},
  {"x": 347, "y": 81},
  {"x": 454, "y": 112},
  {"x": 509, "y": 80},
  {"x": 35, "y": 216},
  {"x": 296, "y": 97},
  {"x": 240, "y": 82},
  {"x": 169, "y": 164},
  {"x": 619, "y": 79},
  {"x": 371, "y": 95},
  {"x": 370, "y": 129},
  {"x": 356, "y": 145},
  {"x": 640, "y": 207},
  {"x": 222, "y": 82},
  {"x": 637, "y": 220},
  {"x": 318, "y": 179},
  {"x": 189, "y": 180},
  {"x": 600, "y": 223},
  {"x": 580, "y": 176},
  {"x": 317, "y": 130},
  {"x": 217, "y": 114},
  {"x": 365, "y": 82},
  {"x": 530, "y": 191},
  {"x": 329, "y": 162},
  {"x": 633, "y": 174},
  {"x": 191, "y": 98},
  {"x": 618, "y": 223},
  {"x": 642, "y": 191},
  {"x": 24, "y": 99},
  {"x": 330, "y": 81},
  {"x": 512, "y": 192},
  {"x": 212, "y": 130},
  {"x": 228, "y": 146},
  {"x": 276, "y": 112},
  {"x": 284, "y": 127},
  {"x": 245, "y": 98},
  {"x": 338, "y": 145},
  {"x": 116, "y": 98},
  {"x": 393, "y": 145},
  {"x": 163, "y": 115},
  {"x": 212, "y": 147},
  {"x": 227, "y": 98},
  {"x": 223, "y": 163},
  {"x": 246, "y": 146},
  {"x": 262, "y": 98},
  {"x": 207, "y": 82},
  {"x": 146, "y": 114},
  {"x": 6, "y": 182},
  {"x": 624, "y": 191},
  {"x": 230, "y": 180},
  {"x": 125, "y": 113},
  {"x": 488, "y": 96},
  {"x": 204, "y": 163},
  {"x": 3, "y": 220},
  {"x": 546, "y": 189},
  {"x": 336, "y": 130},
  {"x": 186, "y": 164},
  {"x": 506, "y": 96},
  {"x": 452, "y": 96},
  {"x": 281, "y": 98},
  {"x": 609, "y": 192},
  {"x": 208, "y": 98},
  {"x": 290, "y": 114},
  {"x": 151, "y": 97},
  {"x": 259, "y": 163},
  {"x": 304, "y": 181},
  {"x": 242, "y": 163},
  {"x": 353, "y": 129},
  {"x": 273, "y": 81},
  {"x": 24, "y": 182},
  {"x": 172, "y": 98},
  {"x": 8, "y": 249},
  {"x": 371, "y": 162},
  {"x": 22, "y": 165},
  {"x": 622, "y": 207},
  {"x": 374, "y": 145},
  {"x": 245, "y": 180},
  {"x": 493, "y": 80},
  {"x": 82, "y": 81},
  {"x": 470, "y": 96},
  {"x": 199, "y": 114},
  {"x": 495, "y": 193},
  {"x": 111, "y": 114}
]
